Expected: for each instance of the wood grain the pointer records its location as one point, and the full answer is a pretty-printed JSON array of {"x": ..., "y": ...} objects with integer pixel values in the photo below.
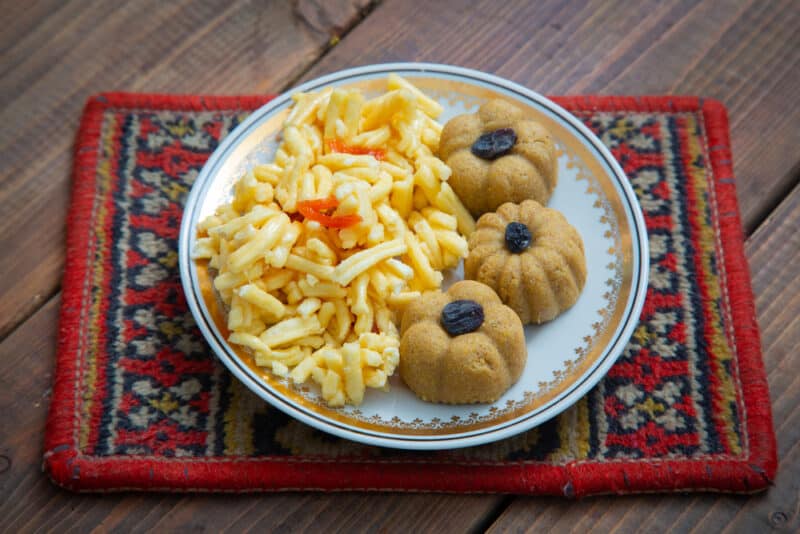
[
  {"x": 29, "y": 501},
  {"x": 57, "y": 55},
  {"x": 53, "y": 54},
  {"x": 774, "y": 253}
]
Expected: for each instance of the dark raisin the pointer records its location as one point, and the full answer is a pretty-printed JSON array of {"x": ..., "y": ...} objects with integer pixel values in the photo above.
[
  {"x": 462, "y": 317},
  {"x": 494, "y": 144},
  {"x": 518, "y": 237}
]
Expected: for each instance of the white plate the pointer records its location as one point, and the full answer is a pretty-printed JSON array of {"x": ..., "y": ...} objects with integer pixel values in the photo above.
[{"x": 566, "y": 357}]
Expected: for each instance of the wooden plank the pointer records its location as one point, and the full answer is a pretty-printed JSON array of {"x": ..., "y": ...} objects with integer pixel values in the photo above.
[
  {"x": 52, "y": 62},
  {"x": 544, "y": 45},
  {"x": 17, "y": 20},
  {"x": 774, "y": 253},
  {"x": 30, "y": 501},
  {"x": 744, "y": 53}
]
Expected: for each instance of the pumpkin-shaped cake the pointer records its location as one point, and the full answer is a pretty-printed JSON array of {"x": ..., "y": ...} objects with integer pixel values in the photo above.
[
  {"x": 498, "y": 155},
  {"x": 531, "y": 256},
  {"x": 461, "y": 346}
]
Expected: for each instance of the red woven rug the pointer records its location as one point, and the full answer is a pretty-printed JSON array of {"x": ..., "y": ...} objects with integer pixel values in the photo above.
[{"x": 139, "y": 402}]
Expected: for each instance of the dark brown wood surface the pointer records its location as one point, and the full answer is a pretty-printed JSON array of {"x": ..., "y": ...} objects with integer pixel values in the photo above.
[{"x": 53, "y": 54}]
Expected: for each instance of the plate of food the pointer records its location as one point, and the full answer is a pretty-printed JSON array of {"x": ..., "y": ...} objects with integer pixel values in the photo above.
[{"x": 415, "y": 256}]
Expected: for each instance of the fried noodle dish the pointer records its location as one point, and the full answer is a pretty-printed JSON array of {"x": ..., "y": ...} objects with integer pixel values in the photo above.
[{"x": 318, "y": 251}]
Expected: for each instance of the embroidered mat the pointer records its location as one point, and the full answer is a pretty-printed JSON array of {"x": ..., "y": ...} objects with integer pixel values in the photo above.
[{"x": 140, "y": 403}]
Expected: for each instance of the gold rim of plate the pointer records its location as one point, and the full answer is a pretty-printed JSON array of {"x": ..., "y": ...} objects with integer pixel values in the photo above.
[
  {"x": 587, "y": 354},
  {"x": 627, "y": 251}
]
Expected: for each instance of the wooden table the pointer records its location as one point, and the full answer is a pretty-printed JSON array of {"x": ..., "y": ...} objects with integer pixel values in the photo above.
[{"x": 56, "y": 52}]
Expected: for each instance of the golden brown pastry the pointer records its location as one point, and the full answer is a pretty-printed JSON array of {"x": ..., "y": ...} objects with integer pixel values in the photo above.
[
  {"x": 531, "y": 256},
  {"x": 497, "y": 155},
  {"x": 461, "y": 346}
]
